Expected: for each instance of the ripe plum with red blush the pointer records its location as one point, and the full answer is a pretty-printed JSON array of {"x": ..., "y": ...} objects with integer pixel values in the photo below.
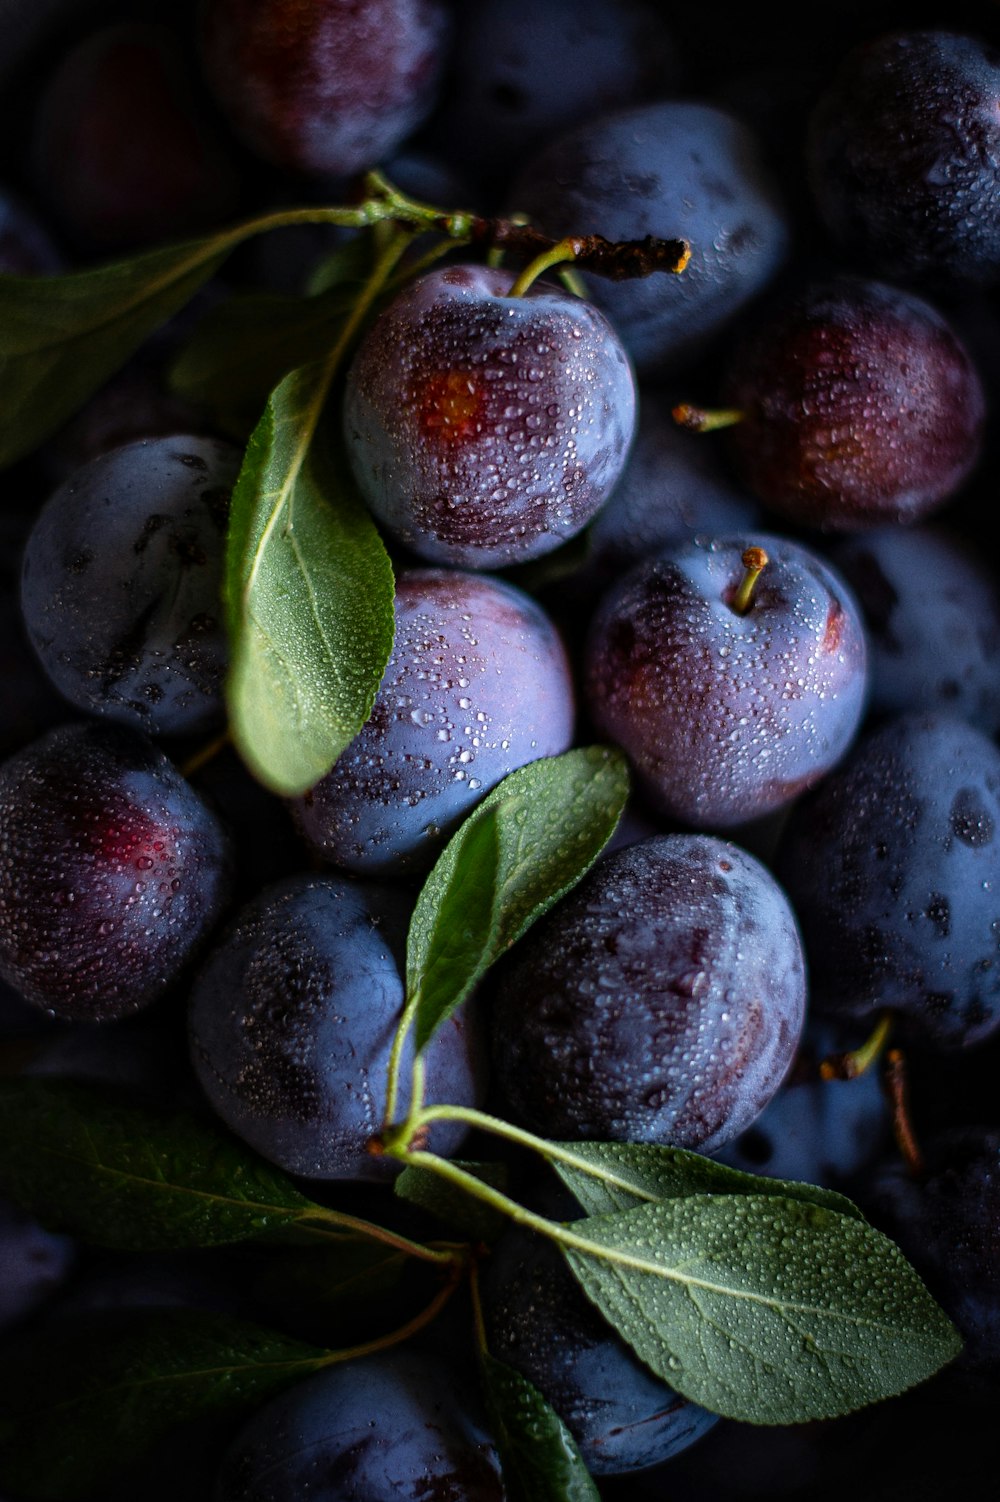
[
  {"x": 662, "y": 1000},
  {"x": 860, "y": 406},
  {"x": 124, "y": 149},
  {"x": 478, "y": 684},
  {"x": 727, "y": 714},
  {"x": 113, "y": 872},
  {"x": 486, "y": 429},
  {"x": 325, "y": 87},
  {"x": 893, "y": 866}
]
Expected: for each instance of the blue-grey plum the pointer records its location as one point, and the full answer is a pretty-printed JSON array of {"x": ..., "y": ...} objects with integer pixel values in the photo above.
[
  {"x": 931, "y": 606},
  {"x": 893, "y": 867},
  {"x": 478, "y": 684},
  {"x": 292, "y": 1020},
  {"x": 121, "y": 584},
  {"x": 672, "y": 168},
  {"x": 728, "y": 713},
  {"x": 485, "y": 429},
  {"x": 113, "y": 871},
  {"x": 395, "y": 1425},
  {"x": 34, "y": 1264},
  {"x": 662, "y": 1000},
  {"x": 26, "y": 248},
  {"x": 539, "y": 1321}
]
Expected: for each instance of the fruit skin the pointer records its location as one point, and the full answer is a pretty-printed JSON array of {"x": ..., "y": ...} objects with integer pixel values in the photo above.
[
  {"x": 861, "y": 406},
  {"x": 539, "y": 1321},
  {"x": 727, "y": 717},
  {"x": 292, "y": 1019},
  {"x": 903, "y": 154},
  {"x": 35, "y": 1263},
  {"x": 394, "y": 1425},
  {"x": 673, "y": 168},
  {"x": 893, "y": 867},
  {"x": 478, "y": 685},
  {"x": 662, "y": 1000},
  {"x": 121, "y": 583},
  {"x": 484, "y": 429},
  {"x": 324, "y": 86},
  {"x": 113, "y": 872}
]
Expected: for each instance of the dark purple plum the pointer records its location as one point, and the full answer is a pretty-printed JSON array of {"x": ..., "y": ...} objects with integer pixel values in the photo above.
[
  {"x": 123, "y": 149},
  {"x": 727, "y": 714},
  {"x": 485, "y": 429},
  {"x": 324, "y": 87},
  {"x": 893, "y": 867},
  {"x": 946, "y": 1219},
  {"x": 478, "y": 685},
  {"x": 113, "y": 872},
  {"x": 861, "y": 406},
  {"x": 26, "y": 248},
  {"x": 121, "y": 584},
  {"x": 540, "y": 1322},
  {"x": 522, "y": 71},
  {"x": 34, "y": 1264},
  {"x": 395, "y": 1425},
  {"x": 673, "y": 487},
  {"x": 816, "y": 1130},
  {"x": 292, "y": 1019},
  {"x": 662, "y": 1000},
  {"x": 931, "y": 605},
  {"x": 674, "y": 168},
  {"x": 903, "y": 155}
]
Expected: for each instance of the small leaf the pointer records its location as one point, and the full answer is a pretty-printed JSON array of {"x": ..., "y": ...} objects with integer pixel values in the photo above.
[
  {"x": 310, "y": 596},
  {"x": 766, "y": 1310},
  {"x": 539, "y": 1456},
  {"x": 62, "y": 337},
  {"x": 634, "y": 1173},
  {"x": 243, "y": 347},
  {"x": 119, "y": 1176},
  {"x": 89, "y": 1395},
  {"x": 526, "y": 845},
  {"x": 466, "y": 1216}
]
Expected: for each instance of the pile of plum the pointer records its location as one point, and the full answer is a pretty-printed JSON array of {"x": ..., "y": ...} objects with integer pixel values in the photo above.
[{"x": 406, "y": 404}]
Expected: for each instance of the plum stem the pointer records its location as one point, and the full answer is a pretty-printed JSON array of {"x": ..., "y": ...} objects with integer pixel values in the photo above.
[
  {"x": 897, "y": 1089},
  {"x": 855, "y": 1061},
  {"x": 754, "y": 560},
  {"x": 706, "y": 419},
  {"x": 207, "y": 753},
  {"x": 563, "y": 250}
]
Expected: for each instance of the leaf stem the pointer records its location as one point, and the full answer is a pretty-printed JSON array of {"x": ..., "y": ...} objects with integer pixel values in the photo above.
[
  {"x": 444, "y": 1256},
  {"x": 403, "y": 1332}
]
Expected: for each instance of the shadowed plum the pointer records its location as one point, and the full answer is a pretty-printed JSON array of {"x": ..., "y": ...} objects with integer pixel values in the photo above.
[
  {"x": 727, "y": 713},
  {"x": 893, "y": 867},
  {"x": 399, "y": 1424},
  {"x": 34, "y": 1264},
  {"x": 121, "y": 584},
  {"x": 25, "y": 245},
  {"x": 123, "y": 149},
  {"x": 292, "y": 1020},
  {"x": 539, "y": 1321},
  {"x": 903, "y": 155},
  {"x": 478, "y": 684},
  {"x": 860, "y": 406},
  {"x": 931, "y": 605},
  {"x": 674, "y": 168},
  {"x": 113, "y": 872},
  {"x": 324, "y": 86},
  {"x": 485, "y": 429},
  {"x": 662, "y": 1000}
]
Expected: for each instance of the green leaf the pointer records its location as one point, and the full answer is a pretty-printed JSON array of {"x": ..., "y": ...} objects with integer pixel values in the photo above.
[
  {"x": 310, "y": 595},
  {"x": 465, "y": 1215},
  {"x": 766, "y": 1310},
  {"x": 88, "y": 1396},
  {"x": 526, "y": 845},
  {"x": 120, "y": 1176},
  {"x": 241, "y": 350},
  {"x": 636, "y": 1172},
  {"x": 539, "y": 1456}
]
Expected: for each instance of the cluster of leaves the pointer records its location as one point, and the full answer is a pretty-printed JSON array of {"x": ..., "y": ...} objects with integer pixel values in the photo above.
[{"x": 765, "y": 1301}]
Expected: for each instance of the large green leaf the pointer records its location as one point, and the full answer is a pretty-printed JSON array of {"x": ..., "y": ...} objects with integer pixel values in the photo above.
[
  {"x": 767, "y": 1310},
  {"x": 527, "y": 844},
  {"x": 310, "y": 595},
  {"x": 539, "y": 1456},
  {"x": 87, "y": 1397}
]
